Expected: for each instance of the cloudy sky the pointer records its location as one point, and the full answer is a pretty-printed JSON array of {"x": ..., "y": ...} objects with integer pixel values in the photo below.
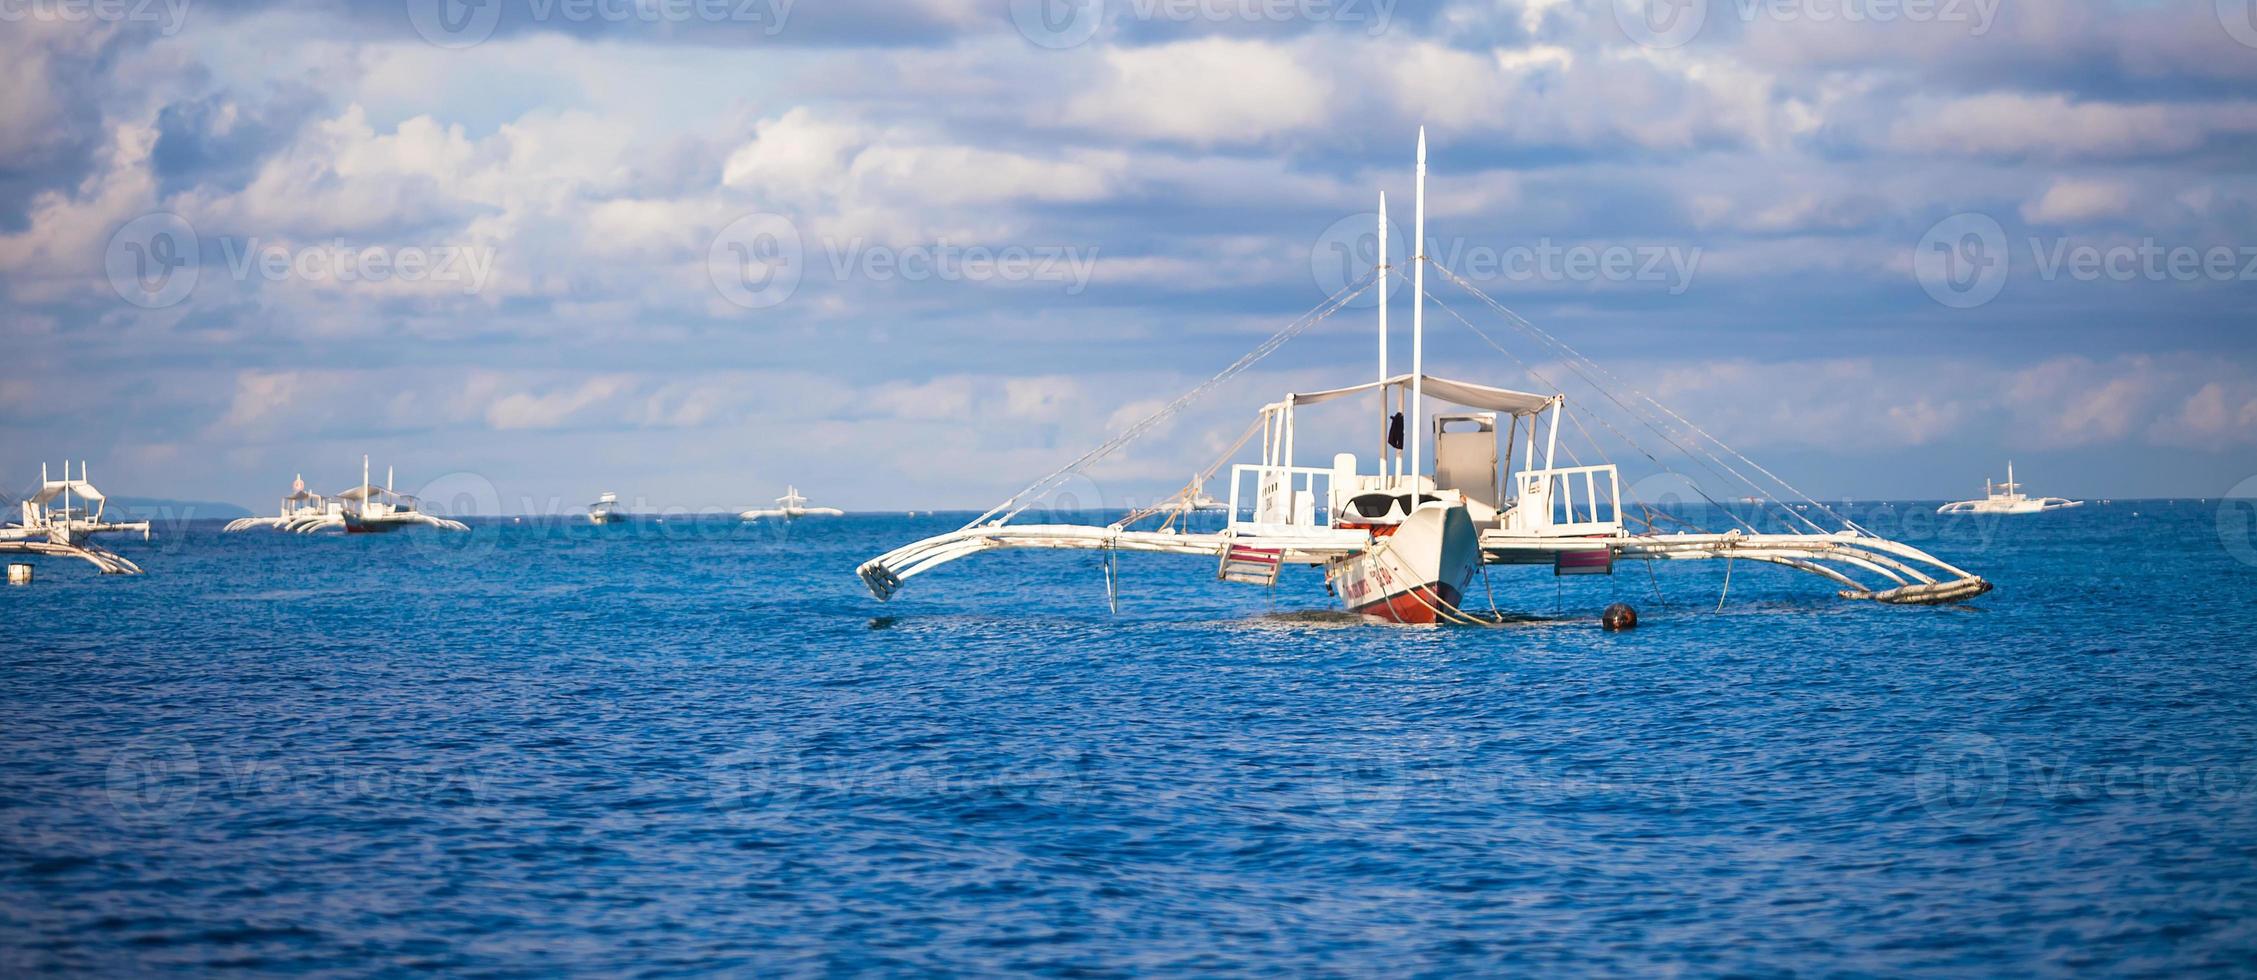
[{"x": 910, "y": 253}]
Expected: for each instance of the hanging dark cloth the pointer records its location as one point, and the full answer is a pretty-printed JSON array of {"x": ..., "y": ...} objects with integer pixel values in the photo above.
[{"x": 1395, "y": 431}]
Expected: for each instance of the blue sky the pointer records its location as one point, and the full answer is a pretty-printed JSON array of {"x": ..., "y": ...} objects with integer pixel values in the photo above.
[{"x": 691, "y": 251}]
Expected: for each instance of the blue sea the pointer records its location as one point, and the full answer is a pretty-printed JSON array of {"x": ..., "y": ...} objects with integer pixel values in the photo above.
[{"x": 698, "y": 746}]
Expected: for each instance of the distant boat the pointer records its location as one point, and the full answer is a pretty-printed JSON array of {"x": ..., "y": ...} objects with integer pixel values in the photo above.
[
  {"x": 371, "y": 509},
  {"x": 2007, "y": 498},
  {"x": 791, "y": 507},
  {"x": 61, "y": 520},
  {"x": 605, "y": 510},
  {"x": 365, "y": 509}
]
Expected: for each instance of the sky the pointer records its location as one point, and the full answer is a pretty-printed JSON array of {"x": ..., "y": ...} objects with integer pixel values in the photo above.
[{"x": 918, "y": 253}]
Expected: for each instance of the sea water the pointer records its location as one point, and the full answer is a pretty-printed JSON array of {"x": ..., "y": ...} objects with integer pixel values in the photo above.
[{"x": 547, "y": 747}]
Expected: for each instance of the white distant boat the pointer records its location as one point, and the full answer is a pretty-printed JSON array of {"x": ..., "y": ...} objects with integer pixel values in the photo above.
[
  {"x": 1404, "y": 538},
  {"x": 605, "y": 510},
  {"x": 62, "y": 518},
  {"x": 365, "y": 509},
  {"x": 2007, "y": 498},
  {"x": 791, "y": 507}
]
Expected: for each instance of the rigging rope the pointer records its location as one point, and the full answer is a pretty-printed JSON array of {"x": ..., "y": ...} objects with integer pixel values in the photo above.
[
  {"x": 1317, "y": 314},
  {"x": 1618, "y": 433},
  {"x": 1574, "y": 355}
]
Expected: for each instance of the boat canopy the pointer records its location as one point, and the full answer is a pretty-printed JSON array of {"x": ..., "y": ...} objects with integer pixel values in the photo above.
[
  {"x": 1464, "y": 393},
  {"x": 367, "y": 492},
  {"x": 56, "y": 488}
]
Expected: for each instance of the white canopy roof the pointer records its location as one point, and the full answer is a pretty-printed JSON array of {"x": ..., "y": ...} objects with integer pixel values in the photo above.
[
  {"x": 54, "y": 488},
  {"x": 367, "y": 492},
  {"x": 1464, "y": 393}
]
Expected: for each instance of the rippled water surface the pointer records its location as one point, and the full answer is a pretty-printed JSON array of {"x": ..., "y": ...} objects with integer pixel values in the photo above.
[{"x": 685, "y": 747}]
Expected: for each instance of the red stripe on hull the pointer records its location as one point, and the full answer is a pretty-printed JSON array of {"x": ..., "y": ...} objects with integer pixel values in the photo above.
[{"x": 1415, "y": 606}]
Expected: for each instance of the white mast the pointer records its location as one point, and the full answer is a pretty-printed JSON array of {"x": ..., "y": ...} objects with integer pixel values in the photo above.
[
  {"x": 1417, "y": 420},
  {"x": 1383, "y": 419}
]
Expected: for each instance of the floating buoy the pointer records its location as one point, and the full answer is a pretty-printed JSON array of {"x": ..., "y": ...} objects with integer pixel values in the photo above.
[
  {"x": 1619, "y": 616},
  {"x": 19, "y": 573}
]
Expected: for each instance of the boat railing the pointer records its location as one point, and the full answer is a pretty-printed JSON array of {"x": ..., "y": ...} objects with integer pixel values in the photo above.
[
  {"x": 1283, "y": 498},
  {"x": 1570, "y": 501}
]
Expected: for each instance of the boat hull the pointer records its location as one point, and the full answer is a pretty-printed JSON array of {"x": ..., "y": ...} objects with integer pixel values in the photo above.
[
  {"x": 2016, "y": 507},
  {"x": 1416, "y": 573}
]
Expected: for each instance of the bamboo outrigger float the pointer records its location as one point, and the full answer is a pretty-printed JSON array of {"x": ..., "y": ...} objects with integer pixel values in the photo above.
[
  {"x": 52, "y": 522},
  {"x": 1403, "y": 546}
]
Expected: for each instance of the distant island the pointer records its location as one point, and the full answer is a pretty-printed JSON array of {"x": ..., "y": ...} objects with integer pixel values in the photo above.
[{"x": 159, "y": 508}]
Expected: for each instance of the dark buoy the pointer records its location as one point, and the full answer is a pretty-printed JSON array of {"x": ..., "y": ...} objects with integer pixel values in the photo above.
[
  {"x": 1619, "y": 616},
  {"x": 881, "y": 622}
]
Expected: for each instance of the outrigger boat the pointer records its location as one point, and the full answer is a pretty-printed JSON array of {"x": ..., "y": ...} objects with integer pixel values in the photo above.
[
  {"x": 365, "y": 509},
  {"x": 2007, "y": 498},
  {"x": 1403, "y": 546},
  {"x": 301, "y": 511},
  {"x": 53, "y": 522},
  {"x": 791, "y": 507}
]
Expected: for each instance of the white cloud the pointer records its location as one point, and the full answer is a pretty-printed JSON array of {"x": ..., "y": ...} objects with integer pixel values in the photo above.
[
  {"x": 2070, "y": 201},
  {"x": 2051, "y": 126},
  {"x": 1206, "y": 92}
]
